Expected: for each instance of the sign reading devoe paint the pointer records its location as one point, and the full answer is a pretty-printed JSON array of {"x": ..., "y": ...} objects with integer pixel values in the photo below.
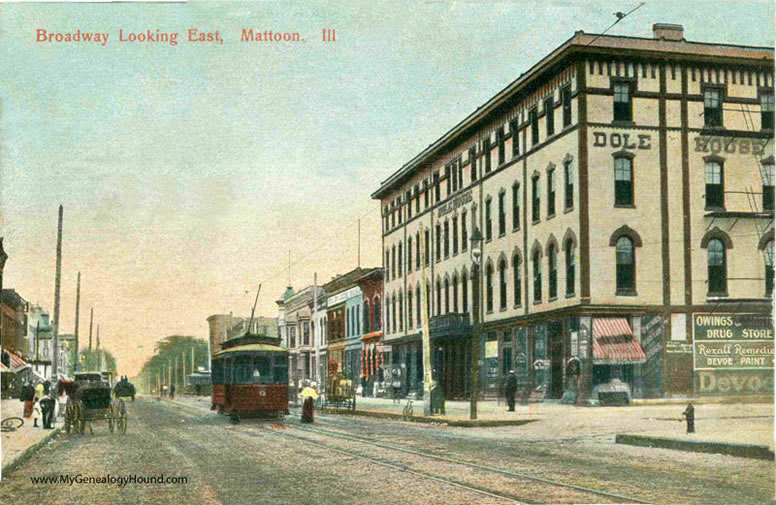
[{"x": 734, "y": 353}]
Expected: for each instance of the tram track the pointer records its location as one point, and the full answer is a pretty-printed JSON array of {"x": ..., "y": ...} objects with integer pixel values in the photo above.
[{"x": 505, "y": 480}]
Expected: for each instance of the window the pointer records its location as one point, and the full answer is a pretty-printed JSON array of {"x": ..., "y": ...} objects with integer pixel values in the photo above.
[
  {"x": 464, "y": 293},
  {"x": 565, "y": 98},
  {"x": 401, "y": 313},
  {"x": 425, "y": 193},
  {"x": 399, "y": 209},
  {"x": 392, "y": 320},
  {"x": 387, "y": 264},
  {"x": 552, "y": 263},
  {"x": 439, "y": 297},
  {"x": 367, "y": 327},
  {"x": 502, "y": 284},
  {"x": 717, "y": 271},
  {"x": 551, "y": 192},
  {"x": 515, "y": 137},
  {"x": 454, "y": 174},
  {"x": 409, "y": 205},
  {"x": 417, "y": 303},
  {"x": 409, "y": 308},
  {"x": 455, "y": 292},
  {"x": 766, "y": 114},
  {"x": 417, "y": 198},
  {"x": 534, "y": 120},
  {"x": 516, "y": 287},
  {"x": 377, "y": 309},
  {"x": 486, "y": 152},
  {"x": 535, "y": 202},
  {"x": 393, "y": 261},
  {"x": 417, "y": 251},
  {"x": 393, "y": 218},
  {"x": 568, "y": 184},
  {"x": 623, "y": 181},
  {"x": 537, "y": 276},
  {"x": 626, "y": 266},
  {"x": 427, "y": 246},
  {"x": 570, "y": 267},
  {"x": 438, "y": 242},
  {"x": 447, "y": 295},
  {"x": 768, "y": 185},
  {"x": 549, "y": 116},
  {"x": 515, "y": 206},
  {"x": 489, "y": 287},
  {"x": 712, "y": 107},
  {"x": 409, "y": 255},
  {"x": 623, "y": 107},
  {"x": 464, "y": 234},
  {"x": 437, "y": 191},
  {"x": 448, "y": 178},
  {"x": 769, "y": 268},
  {"x": 455, "y": 235},
  {"x": 447, "y": 239},
  {"x": 715, "y": 185},
  {"x": 460, "y": 172},
  {"x": 500, "y": 139},
  {"x": 488, "y": 220},
  {"x": 473, "y": 163},
  {"x": 430, "y": 300},
  {"x": 502, "y": 213},
  {"x": 400, "y": 260}
]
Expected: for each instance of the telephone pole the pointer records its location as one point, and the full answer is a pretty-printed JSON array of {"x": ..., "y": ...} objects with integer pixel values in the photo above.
[
  {"x": 77, "y": 317},
  {"x": 91, "y": 322},
  {"x": 57, "y": 281}
]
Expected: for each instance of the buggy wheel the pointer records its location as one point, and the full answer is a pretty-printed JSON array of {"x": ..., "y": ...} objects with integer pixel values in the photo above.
[
  {"x": 121, "y": 411},
  {"x": 80, "y": 418},
  {"x": 111, "y": 416},
  {"x": 69, "y": 416}
]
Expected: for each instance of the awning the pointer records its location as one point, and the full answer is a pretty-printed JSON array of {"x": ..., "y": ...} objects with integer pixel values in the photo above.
[
  {"x": 16, "y": 361},
  {"x": 614, "y": 344}
]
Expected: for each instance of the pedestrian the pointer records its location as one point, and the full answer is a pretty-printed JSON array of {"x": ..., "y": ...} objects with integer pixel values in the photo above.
[
  {"x": 47, "y": 405},
  {"x": 307, "y": 410},
  {"x": 689, "y": 414},
  {"x": 40, "y": 393},
  {"x": 396, "y": 384},
  {"x": 28, "y": 397},
  {"x": 62, "y": 398},
  {"x": 172, "y": 391},
  {"x": 510, "y": 390}
]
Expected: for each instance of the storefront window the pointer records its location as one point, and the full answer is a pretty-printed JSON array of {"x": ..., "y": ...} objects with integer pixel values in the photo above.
[
  {"x": 540, "y": 358},
  {"x": 521, "y": 356}
]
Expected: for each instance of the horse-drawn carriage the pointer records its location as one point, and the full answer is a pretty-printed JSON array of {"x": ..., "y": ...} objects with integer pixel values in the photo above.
[
  {"x": 89, "y": 399},
  {"x": 124, "y": 389},
  {"x": 340, "y": 392}
]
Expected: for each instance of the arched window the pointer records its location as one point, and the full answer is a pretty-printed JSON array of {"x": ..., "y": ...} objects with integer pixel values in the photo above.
[
  {"x": 552, "y": 263},
  {"x": 570, "y": 267},
  {"x": 418, "y": 300},
  {"x": 464, "y": 292},
  {"x": 367, "y": 327},
  {"x": 409, "y": 308},
  {"x": 438, "y": 242},
  {"x": 393, "y": 314},
  {"x": 626, "y": 266},
  {"x": 516, "y": 288},
  {"x": 376, "y": 313},
  {"x": 769, "y": 268},
  {"x": 401, "y": 312},
  {"x": 717, "y": 267},
  {"x": 400, "y": 259},
  {"x": 447, "y": 295},
  {"x": 393, "y": 261},
  {"x": 417, "y": 251},
  {"x": 502, "y": 284},
  {"x": 439, "y": 297},
  {"x": 489, "y": 287},
  {"x": 455, "y": 292},
  {"x": 623, "y": 181},
  {"x": 447, "y": 239},
  {"x": 537, "y": 276},
  {"x": 409, "y": 255},
  {"x": 430, "y": 300}
]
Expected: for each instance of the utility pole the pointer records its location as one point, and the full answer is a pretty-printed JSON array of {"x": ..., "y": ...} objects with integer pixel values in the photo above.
[
  {"x": 428, "y": 378},
  {"x": 91, "y": 322},
  {"x": 192, "y": 360},
  {"x": 77, "y": 317},
  {"x": 183, "y": 369},
  {"x": 57, "y": 281},
  {"x": 359, "y": 243},
  {"x": 316, "y": 343}
]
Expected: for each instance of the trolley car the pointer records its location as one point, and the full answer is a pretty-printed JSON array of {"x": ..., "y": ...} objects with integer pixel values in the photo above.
[{"x": 250, "y": 377}]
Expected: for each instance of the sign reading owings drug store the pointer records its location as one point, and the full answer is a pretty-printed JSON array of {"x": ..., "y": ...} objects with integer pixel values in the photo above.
[{"x": 733, "y": 353}]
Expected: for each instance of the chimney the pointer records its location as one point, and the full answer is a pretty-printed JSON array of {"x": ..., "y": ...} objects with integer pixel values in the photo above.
[{"x": 667, "y": 31}]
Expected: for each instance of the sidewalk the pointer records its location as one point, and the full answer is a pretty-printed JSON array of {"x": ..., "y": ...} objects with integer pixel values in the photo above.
[
  {"x": 18, "y": 445},
  {"x": 728, "y": 423}
]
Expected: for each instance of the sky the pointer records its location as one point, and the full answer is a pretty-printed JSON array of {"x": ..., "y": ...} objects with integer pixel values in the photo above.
[{"x": 190, "y": 173}]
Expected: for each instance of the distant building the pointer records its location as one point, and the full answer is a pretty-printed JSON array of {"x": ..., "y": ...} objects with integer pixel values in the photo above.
[
  {"x": 297, "y": 327},
  {"x": 225, "y": 326},
  {"x": 13, "y": 326}
]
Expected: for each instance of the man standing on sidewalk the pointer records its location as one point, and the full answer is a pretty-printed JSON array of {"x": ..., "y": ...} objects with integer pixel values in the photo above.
[
  {"x": 510, "y": 390},
  {"x": 172, "y": 392}
]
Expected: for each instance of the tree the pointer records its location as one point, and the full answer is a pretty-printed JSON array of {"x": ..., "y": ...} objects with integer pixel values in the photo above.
[
  {"x": 172, "y": 349},
  {"x": 90, "y": 360}
]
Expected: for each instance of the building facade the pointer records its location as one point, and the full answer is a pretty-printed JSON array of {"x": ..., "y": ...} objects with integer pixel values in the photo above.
[
  {"x": 623, "y": 187},
  {"x": 297, "y": 327},
  {"x": 373, "y": 359},
  {"x": 13, "y": 322}
]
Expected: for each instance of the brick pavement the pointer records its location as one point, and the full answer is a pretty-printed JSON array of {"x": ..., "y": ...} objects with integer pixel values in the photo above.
[{"x": 15, "y": 443}]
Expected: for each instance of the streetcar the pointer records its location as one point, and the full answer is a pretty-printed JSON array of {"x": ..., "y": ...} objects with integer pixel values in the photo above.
[{"x": 250, "y": 378}]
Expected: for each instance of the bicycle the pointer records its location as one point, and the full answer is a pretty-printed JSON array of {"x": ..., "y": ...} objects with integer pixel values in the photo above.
[
  {"x": 11, "y": 424},
  {"x": 406, "y": 413}
]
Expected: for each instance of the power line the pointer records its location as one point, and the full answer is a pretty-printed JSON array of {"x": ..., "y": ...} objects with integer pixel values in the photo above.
[{"x": 620, "y": 17}]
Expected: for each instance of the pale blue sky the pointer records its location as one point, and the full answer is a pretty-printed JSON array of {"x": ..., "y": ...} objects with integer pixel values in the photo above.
[{"x": 188, "y": 172}]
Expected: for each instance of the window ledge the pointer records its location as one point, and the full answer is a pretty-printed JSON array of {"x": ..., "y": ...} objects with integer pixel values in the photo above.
[
  {"x": 536, "y": 221},
  {"x": 517, "y": 306},
  {"x": 489, "y": 311},
  {"x": 550, "y": 216},
  {"x": 623, "y": 122},
  {"x": 553, "y": 299},
  {"x": 714, "y": 209},
  {"x": 570, "y": 295},
  {"x": 624, "y": 206},
  {"x": 537, "y": 302},
  {"x": 488, "y": 240},
  {"x": 502, "y": 234},
  {"x": 515, "y": 229},
  {"x": 626, "y": 292},
  {"x": 717, "y": 295},
  {"x": 568, "y": 209}
]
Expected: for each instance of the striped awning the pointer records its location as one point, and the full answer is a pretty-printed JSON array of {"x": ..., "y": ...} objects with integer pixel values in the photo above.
[
  {"x": 17, "y": 363},
  {"x": 614, "y": 343}
]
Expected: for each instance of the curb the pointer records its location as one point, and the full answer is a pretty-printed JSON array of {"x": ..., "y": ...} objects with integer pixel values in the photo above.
[
  {"x": 731, "y": 449},
  {"x": 459, "y": 423},
  {"x": 29, "y": 451}
]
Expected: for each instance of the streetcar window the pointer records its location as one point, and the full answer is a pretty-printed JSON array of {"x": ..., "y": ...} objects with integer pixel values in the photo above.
[
  {"x": 243, "y": 370},
  {"x": 218, "y": 372},
  {"x": 228, "y": 371},
  {"x": 261, "y": 364},
  {"x": 281, "y": 374}
]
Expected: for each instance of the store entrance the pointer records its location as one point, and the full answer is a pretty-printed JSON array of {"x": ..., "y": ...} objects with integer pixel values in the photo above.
[
  {"x": 451, "y": 367},
  {"x": 555, "y": 336}
]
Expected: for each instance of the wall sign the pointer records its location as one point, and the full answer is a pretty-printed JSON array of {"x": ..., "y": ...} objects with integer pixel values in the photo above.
[
  {"x": 729, "y": 145},
  {"x": 623, "y": 140},
  {"x": 456, "y": 202}
]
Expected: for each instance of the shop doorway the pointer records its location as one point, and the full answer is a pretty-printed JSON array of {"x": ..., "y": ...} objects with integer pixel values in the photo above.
[{"x": 555, "y": 334}]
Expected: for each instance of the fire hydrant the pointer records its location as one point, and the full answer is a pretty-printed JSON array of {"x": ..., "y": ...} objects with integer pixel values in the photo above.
[{"x": 689, "y": 414}]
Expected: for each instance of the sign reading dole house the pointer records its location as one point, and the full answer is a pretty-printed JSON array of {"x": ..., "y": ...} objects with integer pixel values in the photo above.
[{"x": 733, "y": 353}]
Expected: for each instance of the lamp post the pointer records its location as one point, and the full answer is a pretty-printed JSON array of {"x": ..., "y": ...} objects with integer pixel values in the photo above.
[{"x": 476, "y": 255}]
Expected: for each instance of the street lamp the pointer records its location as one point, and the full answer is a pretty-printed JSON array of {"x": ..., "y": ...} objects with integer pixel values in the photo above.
[{"x": 476, "y": 255}]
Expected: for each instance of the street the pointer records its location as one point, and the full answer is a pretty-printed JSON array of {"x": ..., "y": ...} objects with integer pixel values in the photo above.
[{"x": 344, "y": 460}]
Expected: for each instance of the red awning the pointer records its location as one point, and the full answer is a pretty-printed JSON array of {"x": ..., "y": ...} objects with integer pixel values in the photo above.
[{"x": 614, "y": 343}]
